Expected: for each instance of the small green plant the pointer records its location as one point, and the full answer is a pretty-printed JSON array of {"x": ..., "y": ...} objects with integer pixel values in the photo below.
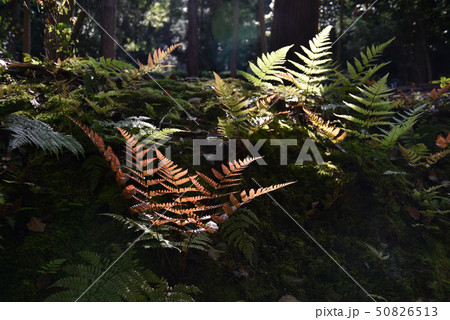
[{"x": 443, "y": 81}]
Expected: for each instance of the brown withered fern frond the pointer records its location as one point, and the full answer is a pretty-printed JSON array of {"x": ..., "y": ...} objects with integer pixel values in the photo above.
[
  {"x": 167, "y": 195},
  {"x": 106, "y": 151},
  {"x": 333, "y": 133},
  {"x": 159, "y": 56}
]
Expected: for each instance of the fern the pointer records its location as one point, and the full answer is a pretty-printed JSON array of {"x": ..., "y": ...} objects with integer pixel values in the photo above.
[
  {"x": 242, "y": 119},
  {"x": 182, "y": 213},
  {"x": 28, "y": 131},
  {"x": 362, "y": 70},
  {"x": 151, "y": 238},
  {"x": 331, "y": 132},
  {"x": 373, "y": 109},
  {"x": 235, "y": 107},
  {"x": 435, "y": 157},
  {"x": 154, "y": 62},
  {"x": 238, "y": 231},
  {"x": 389, "y": 138},
  {"x": 411, "y": 156},
  {"x": 180, "y": 207},
  {"x": 415, "y": 159},
  {"x": 52, "y": 267},
  {"x": 110, "y": 104},
  {"x": 307, "y": 78},
  {"x": 149, "y": 133},
  {"x": 316, "y": 65},
  {"x": 106, "y": 151},
  {"x": 124, "y": 281},
  {"x": 267, "y": 67}
]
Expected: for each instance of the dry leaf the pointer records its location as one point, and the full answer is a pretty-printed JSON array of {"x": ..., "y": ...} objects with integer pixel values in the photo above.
[
  {"x": 442, "y": 142},
  {"x": 413, "y": 212},
  {"x": 36, "y": 225}
]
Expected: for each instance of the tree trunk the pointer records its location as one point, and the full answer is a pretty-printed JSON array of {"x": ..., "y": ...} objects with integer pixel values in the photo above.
[
  {"x": 262, "y": 26},
  {"x": 109, "y": 8},
  {"x": 294, "y": 22},
  {"x": 235, "y": 40},
  {"x": 341, "y": 30},
  {"x": 192, "y": 50},
  {"x": 26, "y": 44}
]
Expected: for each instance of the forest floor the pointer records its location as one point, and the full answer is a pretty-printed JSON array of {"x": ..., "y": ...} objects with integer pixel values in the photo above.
[{"x": 370, "y": 218}]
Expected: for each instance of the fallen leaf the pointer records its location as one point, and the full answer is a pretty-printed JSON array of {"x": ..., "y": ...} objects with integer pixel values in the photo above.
[
  {"x": 434, "y": 94},
  {"x": 442, "y": 142},
  {"x": 36, "y": 225},
  {"x": 413, "y": 212}
]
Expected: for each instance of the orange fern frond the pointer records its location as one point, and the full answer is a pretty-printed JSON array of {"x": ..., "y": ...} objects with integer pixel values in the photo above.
[
  {"x": 159, "y": 56},
  {"x": 162, "y": 192},
  {"x": 252, "y": 194},
  {"x": 95, "y": 138},
  {"x": 107, "y": 152}
]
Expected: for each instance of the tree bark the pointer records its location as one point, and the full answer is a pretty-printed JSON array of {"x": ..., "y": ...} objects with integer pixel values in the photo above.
[
  {"x": 262, "y": 26},
  {"x": 341, "y": 22},
  {"x": 235, "y": 40},
  {"x": 26, "y": 44},
  {"x": 192, "y": 50},
  {"x": 109, "y": 8},
  {"x": 294, "y": 22}
]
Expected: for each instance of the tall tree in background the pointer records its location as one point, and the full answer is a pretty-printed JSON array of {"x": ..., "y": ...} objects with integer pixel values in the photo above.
[
  {"x": 192, "y": 50},
  {"x": 235, "y": 40},
  {"x": 109, "y": 8},
  {"x": 262, "y": 26},
  {"x": 26, "y": 44},
  {"x": 294, "y": 22}
]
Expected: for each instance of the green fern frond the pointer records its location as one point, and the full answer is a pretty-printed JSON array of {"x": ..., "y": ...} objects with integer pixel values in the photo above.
[
  {"x": 362, "y": 70},
  {"x": 390, "y": 138},
  {"x": 411, "y": 156},
  {"x": 374, "y": 107},
  {"x": 28, "y": 131},
  {"x": 124, "y": 281},
  {"x": 236, "y": 108},
  {"x": 239, "y": 232},
  {"x": 316, "y": 64},
  {"x": 52, "y": 267},
  {"x": 227, "y": 127},
  {"x": 435, "y": 157},
  {"x": 152, "y": 237},
  {"x": 267, "y": 67}
]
